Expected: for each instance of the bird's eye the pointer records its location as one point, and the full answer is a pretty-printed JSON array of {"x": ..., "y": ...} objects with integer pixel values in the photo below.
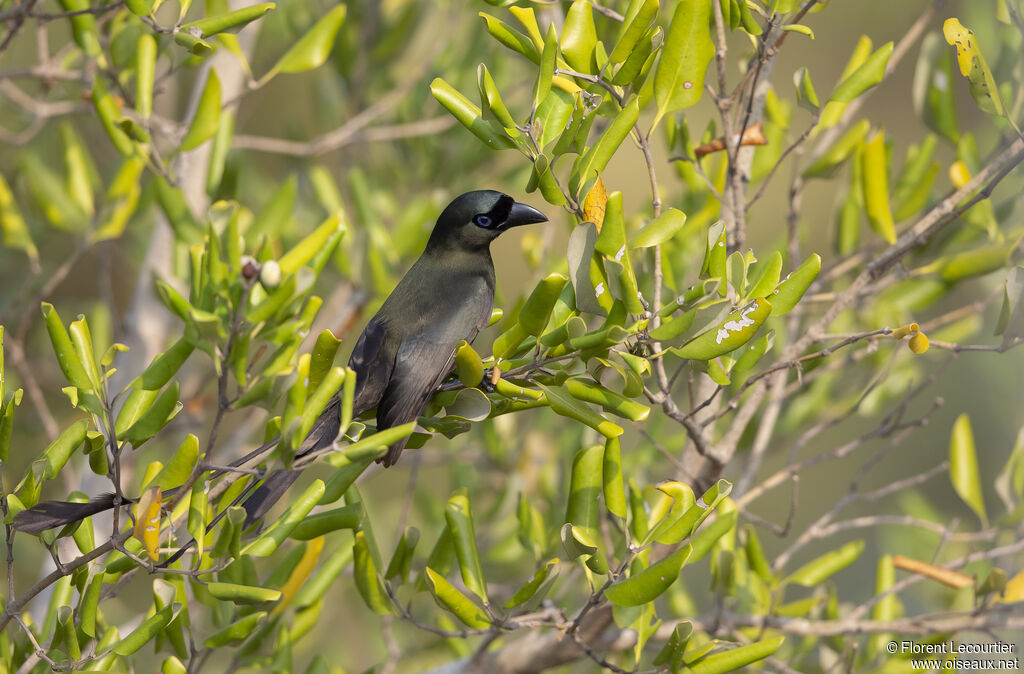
[{"x": 482, "y": 220}]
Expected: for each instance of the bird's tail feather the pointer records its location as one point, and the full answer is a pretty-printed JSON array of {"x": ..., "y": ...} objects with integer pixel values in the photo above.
[
  {"x": 51, "y": 514},
  {"x": 267, "y": 494}
]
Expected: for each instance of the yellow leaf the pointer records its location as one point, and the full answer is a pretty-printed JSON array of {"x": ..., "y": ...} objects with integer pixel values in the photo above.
[
  {"x": 919, "y": 343},
  {"x": 301, "y": 572},
  {"x": 594, "y": 204},
  {"x": 147, "y": 521},
  {"x": 959, "y": 174},
  {"x": 1014, "y": 590}
]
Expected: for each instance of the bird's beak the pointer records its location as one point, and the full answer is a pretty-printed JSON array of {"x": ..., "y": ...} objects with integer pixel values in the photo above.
[{"x": 521, "y": 214}]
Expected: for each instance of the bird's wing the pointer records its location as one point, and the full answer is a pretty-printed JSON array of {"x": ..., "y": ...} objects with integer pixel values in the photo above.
[
  {"x": 419, "y": 367},
  {"x": 373, "y": 358}
]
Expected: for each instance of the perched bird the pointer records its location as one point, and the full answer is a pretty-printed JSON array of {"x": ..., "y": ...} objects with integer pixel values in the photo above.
[{"x": 403, "y": 354}]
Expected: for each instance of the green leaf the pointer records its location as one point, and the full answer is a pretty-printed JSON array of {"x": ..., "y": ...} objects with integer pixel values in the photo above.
[
  {"x": 207, "y": 118},
  {"x": 650, "y": 583},
  {"x": 963, "y": 467},
  {"x": 51, "y": 195},
  {"x": 799, "y": 28},
  {"x": 282, "y": 527},
  {"x": 563, "y": 403},
  {"x": 469, "y": 115},
  {"x": 611, "y": 476},
  {"x": 736, "y": 330},
  {"x": 583, "y": 510},
  {"x": 1010, "y": 323},
  {"x": 60, "y": 450},
  {"x": 875, "y": 176},
  {"x": 587, "y": 390},
  {"x": 242, "y": 594},
  {"x": 542, "y": 87},
  {"x": 972, "y": 263},
  {"x": 145, "y": 68},
  {"x": 511, "y": 38},
  {"x": 193, "y": 44},
  {"x": 468, "y": 366},
  {"x": 230, "y": 21},
  {"x": 527, "y": 591},
  {"x": 84, "y": 30},
  {"x": 81, "y": 340},
  {"x": 313, "y": 48},
  {"x": 580, "y": 253},
  {"x": 159, "y": 414},
  {"x": 674, "y": 650},
  {"x": 636, "y": 67},
  {"x": 915, "y": 182},
  {"x": 460, "y": 524},
  {"x": 579, "y": 37},
  {"x": 706, "y": 537},
  {"x": 767, "y": 278},
  {"x": 793, "y": 287},
  {"x": 322, "y": 357},
  {"x": 973, "y": 66},
  {"x": 833, "y": 110},
  {"x": 1009, "y": 484},
  {"x": 593, "y": 161},
  {"x": 634, "y": 30},
  {"x": 737, "y": 658},
  {"x": 533, "y": 317},
  {"x": 492, "y": 107},
  {"x": 81, "y": 172},
  {"x": 806, "y": 96},
  {"x": 109, "y": 115},
  {"x": 679, "y": 80},
  {"x": 236, "y": 632},
  {"x": 933, "y": 92},
  {"x": 660, "y": 229},
  {"x": 449, "y": 598},
  {"x": 165, "y": 365},
  {"x": 869, "y": 74},
  {"x": 177, "y": 470},
  {"x": 12, "y": 224},
  {"x": 67, "y": 358},
  {"x": 825, "y": 165},
  {"x": 823, "y": 567},
  {"x": 312, "y": 526},
  {"x": 147, "y": 631},
  {"x": 401, "y": 561}
]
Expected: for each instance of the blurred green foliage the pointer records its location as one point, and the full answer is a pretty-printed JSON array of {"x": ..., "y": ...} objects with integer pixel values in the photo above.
[{"x": 231, "y": 187}]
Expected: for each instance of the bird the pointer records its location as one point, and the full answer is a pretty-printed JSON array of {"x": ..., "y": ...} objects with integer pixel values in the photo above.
[{"x": 402, "y": 356}]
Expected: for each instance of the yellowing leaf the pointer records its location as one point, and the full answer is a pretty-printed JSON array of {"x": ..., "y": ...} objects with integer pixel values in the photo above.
[
  {"x": 963, "y": 467},
  {"x": 147, "y": 521},
  {"x": 594, "y": 204},
  {"x": 300, "y": 573},
  {"x": 973, "y": 66},
  {"x": 1014, "y": 590}
]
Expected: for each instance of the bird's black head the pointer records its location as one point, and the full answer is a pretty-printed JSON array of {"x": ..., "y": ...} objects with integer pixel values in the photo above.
[{"x": 474, "y": 219}]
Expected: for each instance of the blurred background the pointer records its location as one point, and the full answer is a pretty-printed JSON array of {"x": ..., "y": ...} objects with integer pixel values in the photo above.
[{"x": 365, "y": 130}]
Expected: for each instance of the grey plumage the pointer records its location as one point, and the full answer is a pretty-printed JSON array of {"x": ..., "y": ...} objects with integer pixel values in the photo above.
[
  {"x": 402, "y": 355},
  {"x": 408, "y": 347}
]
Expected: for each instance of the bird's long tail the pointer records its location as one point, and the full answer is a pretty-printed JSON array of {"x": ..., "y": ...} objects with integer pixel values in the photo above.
[
  {"x": 324, "y": 432},
  {"x": 51, "y": 514}
]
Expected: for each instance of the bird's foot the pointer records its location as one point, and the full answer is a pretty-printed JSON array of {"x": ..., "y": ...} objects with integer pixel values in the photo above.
[{"x": 490, "y": 380}]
